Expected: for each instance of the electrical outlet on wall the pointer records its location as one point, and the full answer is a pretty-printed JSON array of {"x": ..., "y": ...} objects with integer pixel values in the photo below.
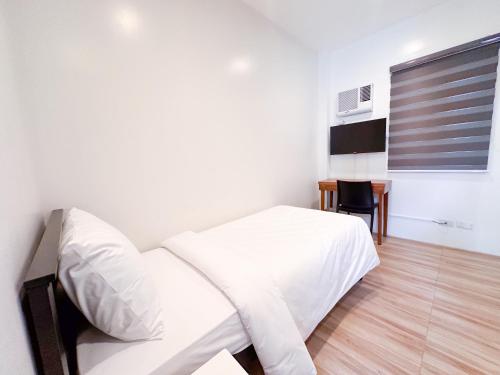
[
  {"x": 465, "y": 225},
  {"x": 444, "y": 222}
]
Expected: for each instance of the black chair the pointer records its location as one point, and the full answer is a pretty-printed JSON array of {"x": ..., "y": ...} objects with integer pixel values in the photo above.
[{"x": 356, "y": 197}]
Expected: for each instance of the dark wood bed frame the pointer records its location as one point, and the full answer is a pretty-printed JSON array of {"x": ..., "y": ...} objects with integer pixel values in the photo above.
[{"x": 52, "y": 319}]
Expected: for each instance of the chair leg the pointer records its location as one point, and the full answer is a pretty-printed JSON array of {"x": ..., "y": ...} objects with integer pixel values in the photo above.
[{"x": 371, "y": 221}]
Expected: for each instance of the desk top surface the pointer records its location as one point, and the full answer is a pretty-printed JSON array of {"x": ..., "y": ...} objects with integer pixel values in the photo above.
[
  {"x": 376, "y": 181},
  {"x": 378, "y": 185}
]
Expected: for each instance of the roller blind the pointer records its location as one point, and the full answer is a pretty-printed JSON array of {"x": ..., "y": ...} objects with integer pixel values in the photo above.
[{"x": 441, "y": 109}]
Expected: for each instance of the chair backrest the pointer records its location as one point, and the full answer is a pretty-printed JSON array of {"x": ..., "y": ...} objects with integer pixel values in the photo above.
[{"x": 355, "y": 193}]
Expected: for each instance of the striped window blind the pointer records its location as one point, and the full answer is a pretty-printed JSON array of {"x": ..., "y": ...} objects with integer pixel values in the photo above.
[{"x": 441, "y": 109}]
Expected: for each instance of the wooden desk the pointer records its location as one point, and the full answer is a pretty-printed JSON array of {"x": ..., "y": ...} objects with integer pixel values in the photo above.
[{"x": 380, "y": 187}]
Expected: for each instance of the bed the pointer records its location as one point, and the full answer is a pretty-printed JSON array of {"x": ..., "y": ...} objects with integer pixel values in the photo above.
[{"x": 314, "y": 257}]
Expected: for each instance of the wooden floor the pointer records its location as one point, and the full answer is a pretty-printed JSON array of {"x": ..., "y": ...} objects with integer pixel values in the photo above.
[{"x": 425, "y": 310}]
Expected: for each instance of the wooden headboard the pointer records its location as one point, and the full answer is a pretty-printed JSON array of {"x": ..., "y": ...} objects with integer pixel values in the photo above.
[{"x": 53, "y": 321}]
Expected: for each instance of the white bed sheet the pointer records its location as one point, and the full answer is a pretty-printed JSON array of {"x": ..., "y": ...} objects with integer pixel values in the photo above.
[
  {"x": 315, "y": 257},
  {"x": 199, "y": 323}
]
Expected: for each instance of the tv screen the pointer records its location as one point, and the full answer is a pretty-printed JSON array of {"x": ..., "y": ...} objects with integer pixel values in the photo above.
[{"x": 357, "y": 138}]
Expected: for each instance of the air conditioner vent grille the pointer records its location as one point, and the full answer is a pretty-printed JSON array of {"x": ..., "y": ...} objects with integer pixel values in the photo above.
[
  {"x": 348, "y": 100},
  {"x": 366, "y": 93}
]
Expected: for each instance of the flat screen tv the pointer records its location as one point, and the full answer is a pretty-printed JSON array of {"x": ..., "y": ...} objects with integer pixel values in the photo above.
[{"x": 357, "y": 138}]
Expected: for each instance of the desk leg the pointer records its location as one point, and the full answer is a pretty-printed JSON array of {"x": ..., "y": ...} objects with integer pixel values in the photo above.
[
  {"x": 386, "y": 212},
  {"x": 322, "y": 192},
  {"x": 331, "y": 199},
  {"x": 379, "y": 218}
]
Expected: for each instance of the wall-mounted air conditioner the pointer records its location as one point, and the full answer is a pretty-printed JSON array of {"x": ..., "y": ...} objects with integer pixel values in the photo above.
[{"x": 358, "y": 100}]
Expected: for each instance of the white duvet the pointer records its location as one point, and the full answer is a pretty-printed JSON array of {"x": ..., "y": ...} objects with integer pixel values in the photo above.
[
  {"x": 283, "y": 269},
  {"x": 259, "y": 302}
]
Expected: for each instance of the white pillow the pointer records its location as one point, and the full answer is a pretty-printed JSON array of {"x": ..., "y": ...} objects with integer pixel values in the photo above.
[{"x": 106, "y": 278}]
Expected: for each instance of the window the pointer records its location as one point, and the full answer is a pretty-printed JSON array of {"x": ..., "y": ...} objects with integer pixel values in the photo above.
[{"x": 441, "y": 109}]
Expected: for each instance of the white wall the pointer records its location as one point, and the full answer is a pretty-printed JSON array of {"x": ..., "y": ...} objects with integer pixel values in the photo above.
[
  {"x": 464, "y": 197},
  {"x": 158, "y": 116},
  {"x": 164, "y": 116},
  {"x": 20, "y": 216}
]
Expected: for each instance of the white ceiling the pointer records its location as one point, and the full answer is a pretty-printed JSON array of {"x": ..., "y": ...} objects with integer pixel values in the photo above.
[{"x": 329, "y": 24}]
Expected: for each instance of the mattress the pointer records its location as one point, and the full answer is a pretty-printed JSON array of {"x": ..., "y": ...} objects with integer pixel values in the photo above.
[
  {"x": 314, "y": 256},
  {"x": 199, "y": 322}
]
